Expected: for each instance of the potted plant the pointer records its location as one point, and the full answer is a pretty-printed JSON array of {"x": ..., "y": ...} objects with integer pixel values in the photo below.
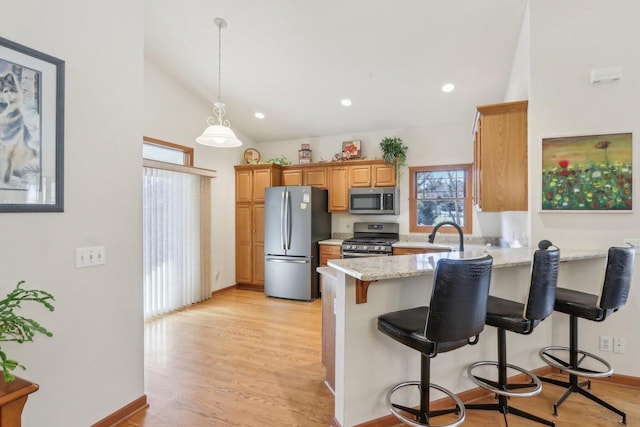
[
  {"x": 16, "y": 328},
  {"x": 395, "y": 153}
]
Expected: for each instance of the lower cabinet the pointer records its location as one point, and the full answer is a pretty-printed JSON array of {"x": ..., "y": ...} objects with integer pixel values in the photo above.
[
  {"x": 328, "y": 252},
  {"x": 250, "y": 245}
]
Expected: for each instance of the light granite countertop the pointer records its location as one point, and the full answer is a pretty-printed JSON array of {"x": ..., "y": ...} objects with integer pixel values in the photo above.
[
  {"x": 332, "y": 242},
  {"x": 380, "y": 268},
  {"x": 416, "y": 244}
]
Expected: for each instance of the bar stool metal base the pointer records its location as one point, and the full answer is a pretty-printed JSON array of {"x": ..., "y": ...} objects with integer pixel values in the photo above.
[
  {"x": 574, "y": 370},
  {"x": 396, "y": 409},
  {"x": 502, "y": 389},
  {"x": 506, "y": 389},
  {"x": 565, "y": 366}
]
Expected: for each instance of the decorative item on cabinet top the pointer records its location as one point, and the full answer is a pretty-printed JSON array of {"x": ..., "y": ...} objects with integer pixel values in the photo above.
[
  {"x": 251, "y": 156},
  {"x": 304, "y": 154},
  {"x": 351, "y": 149},
  {"x": 394, "y": 152}
]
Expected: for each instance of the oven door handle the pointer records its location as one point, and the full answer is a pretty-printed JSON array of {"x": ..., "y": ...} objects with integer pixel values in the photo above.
[{"x": 363, "y": 254}]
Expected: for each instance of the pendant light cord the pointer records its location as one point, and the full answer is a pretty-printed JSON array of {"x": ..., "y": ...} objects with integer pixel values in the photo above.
[{"x": 219, "y": 61}]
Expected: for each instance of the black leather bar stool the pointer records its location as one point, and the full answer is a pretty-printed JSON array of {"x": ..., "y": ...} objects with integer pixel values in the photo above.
[
  {"x": 577, "y": 304},
  {"x": 454, "y": 318},
  {"x": 507, "y": 315}
]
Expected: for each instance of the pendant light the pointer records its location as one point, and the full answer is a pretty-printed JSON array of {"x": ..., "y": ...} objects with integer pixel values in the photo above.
[{"x": 219, "y": 134}]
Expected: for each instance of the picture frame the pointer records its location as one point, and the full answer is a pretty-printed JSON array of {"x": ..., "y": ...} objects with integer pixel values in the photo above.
[
  {"x": 31, "y": 130},
  {"x": 351, "y": 150},
  {"x": 587, "y": 173}
]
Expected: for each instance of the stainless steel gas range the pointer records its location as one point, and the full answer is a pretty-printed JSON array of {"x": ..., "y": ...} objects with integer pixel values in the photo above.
[{"x": 371, "y": 239}]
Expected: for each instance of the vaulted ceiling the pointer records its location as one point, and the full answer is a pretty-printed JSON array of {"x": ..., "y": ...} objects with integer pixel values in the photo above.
[{"x": 294, "y": 60}]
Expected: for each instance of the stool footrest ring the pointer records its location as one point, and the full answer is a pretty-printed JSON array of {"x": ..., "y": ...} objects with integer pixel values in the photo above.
[
  {"x": 535, "y": 381},
  {"x": 414, "y": 423},
  {"x": 551, "y": 360}
]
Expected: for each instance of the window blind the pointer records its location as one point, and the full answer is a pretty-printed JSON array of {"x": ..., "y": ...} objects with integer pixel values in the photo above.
[{"x": 174, "y": 274}]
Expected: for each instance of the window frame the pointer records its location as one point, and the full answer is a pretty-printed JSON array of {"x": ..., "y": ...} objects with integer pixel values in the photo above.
[
  {"x": 186, "y": 151},
  {"x": 413, "y": 200}
]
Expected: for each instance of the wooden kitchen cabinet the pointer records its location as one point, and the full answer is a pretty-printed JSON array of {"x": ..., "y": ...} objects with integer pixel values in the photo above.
[
  {"x": 500, "y": 157},
  {"x": 383, "y": 175},
  {"x": 338, "y": 189},
  {"x": 315, "y": 176},
  {"x": 251, "y": 182},
  {"x": 310, "y": 175},
  {"x": 339, "y": 177},
  {"x": 328, "y": 252},
  {"x": 360, "y": 176},
  {"x": 413, "y": 251},
  {"x": 292, "y": 177}
]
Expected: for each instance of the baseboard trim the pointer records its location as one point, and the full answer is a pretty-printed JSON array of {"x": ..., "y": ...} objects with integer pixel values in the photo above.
[
  {"x": 478, "y": 393},
  {"x": 123, "y": 413},
  {"x": 223, "y": 290},
  {"x": 249, "y": 287},
  {"x": 618, "y": 379}
]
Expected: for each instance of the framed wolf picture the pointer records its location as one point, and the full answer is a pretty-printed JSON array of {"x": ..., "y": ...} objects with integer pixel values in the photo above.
[{"x": 31, "y": 130}]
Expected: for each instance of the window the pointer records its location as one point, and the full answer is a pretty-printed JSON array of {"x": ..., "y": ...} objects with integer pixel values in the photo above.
[
  {"x": 176, "y": 228},
  {"x": 162, "y": 151},
  {"x": 440, "y": 193}
]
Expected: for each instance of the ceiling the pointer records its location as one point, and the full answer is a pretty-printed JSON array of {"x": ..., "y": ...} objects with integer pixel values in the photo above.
[{"x": 294, "y": 60}]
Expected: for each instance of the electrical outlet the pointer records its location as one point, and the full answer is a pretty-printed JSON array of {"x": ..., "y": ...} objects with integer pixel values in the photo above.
[
  {"x": 633, "y": 242},
  {"x": 605, "y": 343},
  {"x": 618, "y": 345},
  {"x": 89, "y": 257}
]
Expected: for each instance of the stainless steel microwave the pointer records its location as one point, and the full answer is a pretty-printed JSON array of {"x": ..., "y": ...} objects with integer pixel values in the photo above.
[{"x": 374, "y": 201}]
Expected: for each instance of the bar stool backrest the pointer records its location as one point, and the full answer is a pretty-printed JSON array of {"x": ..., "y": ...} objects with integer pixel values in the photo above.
[
  {"x": 544, "y": 281},
  {"x": 617, "y": 278},
  {"x": 458, "y": 306}
]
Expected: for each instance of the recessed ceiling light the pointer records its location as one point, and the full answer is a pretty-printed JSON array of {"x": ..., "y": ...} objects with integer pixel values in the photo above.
[
  {"x": 449, "y": 87},
  {"x": 346, "y": 102},
  {"x": 259, "y": 115}
]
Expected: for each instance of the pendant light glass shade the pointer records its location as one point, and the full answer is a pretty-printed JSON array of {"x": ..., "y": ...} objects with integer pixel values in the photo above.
[
  {"x": 219, "y": 133},
  {"x": 219, "y": 136}
]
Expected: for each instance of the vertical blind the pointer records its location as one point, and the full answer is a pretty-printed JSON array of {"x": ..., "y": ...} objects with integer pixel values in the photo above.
[{"x": 174, "y": 274}]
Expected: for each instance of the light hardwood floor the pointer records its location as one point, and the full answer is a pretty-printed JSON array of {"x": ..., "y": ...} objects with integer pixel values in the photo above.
[{"x": 242, "y": 359}]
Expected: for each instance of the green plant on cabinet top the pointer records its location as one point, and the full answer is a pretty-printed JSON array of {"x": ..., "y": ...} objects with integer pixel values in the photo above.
[{"x": 394, "y": 152}]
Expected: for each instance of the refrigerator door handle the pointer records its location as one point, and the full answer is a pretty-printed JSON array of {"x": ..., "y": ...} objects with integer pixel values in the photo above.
[
  {"x": 282, "y": 221},
  {"x": 287, "y": 220},
  {"x": 288, "y": 261}
]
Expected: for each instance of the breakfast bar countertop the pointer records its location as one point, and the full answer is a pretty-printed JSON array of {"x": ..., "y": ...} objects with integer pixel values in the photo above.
[{"x": 380, "y": 268}]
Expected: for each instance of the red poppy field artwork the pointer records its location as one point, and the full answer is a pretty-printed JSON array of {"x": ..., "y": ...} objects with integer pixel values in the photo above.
[{"x": 587, "y": 173}]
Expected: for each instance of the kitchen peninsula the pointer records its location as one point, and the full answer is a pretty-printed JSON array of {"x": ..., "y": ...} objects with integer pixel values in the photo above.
[{"x": 367, "y": 363}]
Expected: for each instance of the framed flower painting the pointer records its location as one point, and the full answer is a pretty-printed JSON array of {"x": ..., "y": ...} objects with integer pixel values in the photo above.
[
  {"x": 351, "y": 150},
  {"x": 587, "y": 173}
]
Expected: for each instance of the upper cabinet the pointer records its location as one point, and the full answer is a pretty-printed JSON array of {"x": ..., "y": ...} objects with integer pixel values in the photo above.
[
  {"x": 383, "y": 175},
  {"x": 500, "y": 157},
  {"x": 316, "y": 177},
  {"x": 337, "y": 177},
  {"x": 292, "y": 177},
  {"x": 360, "y": 176},
  {"x": 339, "y": 189}
]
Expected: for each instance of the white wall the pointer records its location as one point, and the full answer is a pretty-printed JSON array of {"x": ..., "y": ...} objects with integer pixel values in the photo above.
[
  {"x": 173, "y": 115},
  {"x": 564, "y": 49},
  {"x": 93, "y": 365}
]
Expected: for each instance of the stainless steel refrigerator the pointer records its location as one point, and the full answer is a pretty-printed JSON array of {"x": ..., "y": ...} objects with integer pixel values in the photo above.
[{"x": 295, "y": 219}]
